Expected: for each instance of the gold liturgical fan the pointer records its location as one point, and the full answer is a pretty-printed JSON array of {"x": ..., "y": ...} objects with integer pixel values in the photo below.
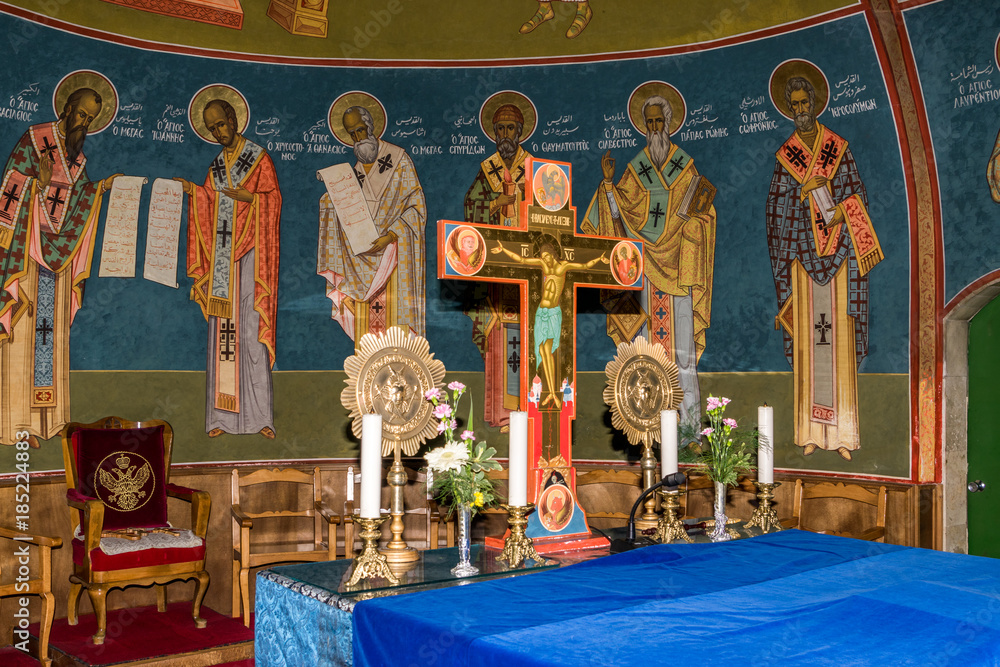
[
  {"x": 389, "y": 375},
  {"x": 641, "y": 383}
]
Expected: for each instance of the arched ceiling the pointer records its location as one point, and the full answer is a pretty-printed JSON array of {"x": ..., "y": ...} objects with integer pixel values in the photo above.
[{"x": 432, "y": 30}]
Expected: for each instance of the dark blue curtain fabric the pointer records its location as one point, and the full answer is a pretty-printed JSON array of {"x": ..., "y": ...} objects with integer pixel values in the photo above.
[{"x": 785, "y": 598}]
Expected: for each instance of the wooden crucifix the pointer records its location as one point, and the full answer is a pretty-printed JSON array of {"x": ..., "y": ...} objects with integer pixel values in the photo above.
[{"x": 545, "y": 256}]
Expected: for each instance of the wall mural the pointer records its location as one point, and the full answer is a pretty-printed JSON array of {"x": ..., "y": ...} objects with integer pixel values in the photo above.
[{"x": 779, "y": 251}]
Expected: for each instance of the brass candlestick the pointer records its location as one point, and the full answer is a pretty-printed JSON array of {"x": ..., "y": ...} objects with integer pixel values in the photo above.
[
  {"x": 518, "y": 546},
  {"x": 764, "y": 517},
  {"x": 397, "y": 551},
  {"x": 670, "y": 527},
  {"x": 649, "y": 518},
  {"x": 371, "y": 563}
]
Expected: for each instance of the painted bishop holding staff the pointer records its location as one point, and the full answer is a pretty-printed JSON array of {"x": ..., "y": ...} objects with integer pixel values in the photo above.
[
  {"x": 49, "y": 211},
  {"x": 382, "y": 284},
  {"x": 822, "y": 246},
  {"x": 233, "y": 224},
  {"x": 495, "y": 197},
  {"x": 662, "y": 199}
]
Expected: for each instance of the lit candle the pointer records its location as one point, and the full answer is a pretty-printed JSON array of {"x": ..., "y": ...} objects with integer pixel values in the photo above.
[
  {"x": 765, "y": 449},
  {"x": 350, "y": 484},
  {"x": 517, "y": 469},
  {"x": 371, "y": 465},
  {"x": 668, "y": 442}
]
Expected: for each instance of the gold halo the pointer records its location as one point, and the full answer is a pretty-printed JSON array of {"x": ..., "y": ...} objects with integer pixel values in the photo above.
[
  {"x": 497, "y": 100},
  {"x": 217, "y": 91},
  {"x": 807, "y": 70},
  {"x": 394, "y": 356},
  {"x": 86, "y": 78},
  {"x": 646, "y": 90},
  {"x": 647, "y": 362},
  {"x": 355, "y": 98},
  {"x": 996, "y": 49}
]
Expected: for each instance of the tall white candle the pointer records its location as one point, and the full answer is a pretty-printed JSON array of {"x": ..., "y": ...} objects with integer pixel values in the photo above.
[
  {"x": 517, "y": 469},
  {"x": 765, "y": 450},
  {"x": 350, "y": 484},
  {"x": 668, "y": 442},
  {"x": 371, "y": 465}
]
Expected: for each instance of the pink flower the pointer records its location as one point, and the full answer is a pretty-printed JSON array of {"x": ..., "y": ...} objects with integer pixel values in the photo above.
[
  {"x": 432, "y": 394},
  {"x": 468, "y": 435},
  {"x": 731, "y": 423},
  {"x": 456, "y": 386},
  {"x": 442, "y": 425},
  {"x": 713, "y": 403},
  {"x": 442, "y": 411},
  {"x": 724, "y": 401},
  {"x": 708, "y": 431}
]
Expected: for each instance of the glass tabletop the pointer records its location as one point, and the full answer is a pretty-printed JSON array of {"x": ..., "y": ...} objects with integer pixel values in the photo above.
[{"x": 431, "y": 570}]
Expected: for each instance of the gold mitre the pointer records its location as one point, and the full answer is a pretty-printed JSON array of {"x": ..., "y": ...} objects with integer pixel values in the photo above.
[{"x": 513, "y": 98}]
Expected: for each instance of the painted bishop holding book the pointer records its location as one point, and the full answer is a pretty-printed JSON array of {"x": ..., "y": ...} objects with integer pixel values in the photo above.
[
  {"x": 662, "y": 199},
  {"x": 371, "y": 227},
  {"x": 232, "y": 255},
  {"x": 49, "y": 210},
  {"x": 822, "y": 246}
]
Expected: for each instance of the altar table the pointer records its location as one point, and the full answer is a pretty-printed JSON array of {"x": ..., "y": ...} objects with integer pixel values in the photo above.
[
  {"x": 303, "y": 612},
  {"x": 787, "y": 598}
]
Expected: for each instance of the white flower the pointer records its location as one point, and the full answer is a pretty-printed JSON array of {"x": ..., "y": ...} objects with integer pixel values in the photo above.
[{"x": 452, "y": 456}]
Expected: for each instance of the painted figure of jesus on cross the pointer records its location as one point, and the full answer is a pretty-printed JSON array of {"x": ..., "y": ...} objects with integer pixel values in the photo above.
[{"x": 546, "y": 256}]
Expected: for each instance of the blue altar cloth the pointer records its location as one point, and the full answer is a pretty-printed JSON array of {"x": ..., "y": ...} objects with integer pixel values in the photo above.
[{"x": 788, "y": 598}]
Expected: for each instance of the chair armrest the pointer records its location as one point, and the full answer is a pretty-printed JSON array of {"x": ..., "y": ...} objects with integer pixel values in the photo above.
[
  {"x": 40, "y": 540},
  {"x": 245, "y": 520},
  {"x": 328, "y": 514},
  {"x": 789, "y": 523},
  {"x": 201, "y": 506},
  {"x": 349, "y": 511},
  {"x": 182, "y": 492},
  {"x": 93, "y": 518}
]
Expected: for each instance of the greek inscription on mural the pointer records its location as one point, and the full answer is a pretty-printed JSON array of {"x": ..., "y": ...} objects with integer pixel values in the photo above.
[
  {"x": 847, "y": 95},
  {"x": 973, "y": 85}
]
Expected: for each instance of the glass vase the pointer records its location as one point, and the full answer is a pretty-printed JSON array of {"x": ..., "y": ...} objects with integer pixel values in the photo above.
[
  {"x": 719, "y": 533},
  {"x": 464, "y": 568}
]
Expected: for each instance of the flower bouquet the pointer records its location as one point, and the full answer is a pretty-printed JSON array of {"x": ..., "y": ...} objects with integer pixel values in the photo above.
[
  {"x": 727, "y": 456},
  {"x": 458, "y": 468}
]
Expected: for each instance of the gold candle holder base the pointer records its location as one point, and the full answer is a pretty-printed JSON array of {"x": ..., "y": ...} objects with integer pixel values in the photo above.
[
  {"x": 669, "y": 527},
  {"x": 371, "y": 563},
  {"x": 518, "y": 546},
  {"x": 764, "y": 517}
]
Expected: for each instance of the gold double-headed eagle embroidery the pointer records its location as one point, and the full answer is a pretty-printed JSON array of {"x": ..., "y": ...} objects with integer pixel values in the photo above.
[{"x": 125, "y": 482}]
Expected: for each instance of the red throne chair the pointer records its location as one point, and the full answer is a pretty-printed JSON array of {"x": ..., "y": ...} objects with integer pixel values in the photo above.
[{"x": 118, "y": 482}]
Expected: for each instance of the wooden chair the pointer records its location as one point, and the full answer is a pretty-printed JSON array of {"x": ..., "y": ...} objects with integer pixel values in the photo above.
[
  {"x": 814, "y": 495},
  {"x": 281, "y": 545},
  {"x": 40, "y": 585},
  {"x": 434, "y": 517},
  {"x": 118, "y": 482},
  {"x": 617, "y": 492}
]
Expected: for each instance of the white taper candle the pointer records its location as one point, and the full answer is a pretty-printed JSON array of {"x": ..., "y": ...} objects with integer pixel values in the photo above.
[
  {"x": 517, "y": 469},
  {"x": 371, "y": 465},
  {"x": 668, "y": 442},
  {"x": 765, "y": 450}
]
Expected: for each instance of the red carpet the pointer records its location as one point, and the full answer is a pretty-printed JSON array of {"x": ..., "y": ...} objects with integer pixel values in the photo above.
[
  {"x": 142, "y": 633},
  {"x": 12, "y": 657}
]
